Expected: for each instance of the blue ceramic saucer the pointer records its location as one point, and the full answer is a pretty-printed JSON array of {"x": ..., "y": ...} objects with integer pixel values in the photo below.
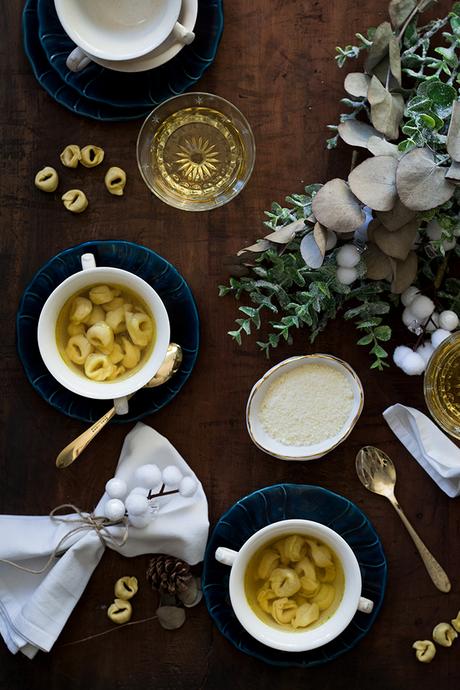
[
  {"x": 61, "y": 92},
  {"x": 283, "y": 502},
  {"x": 156, "y": 271},
  {"x": 135, "y": 90}
]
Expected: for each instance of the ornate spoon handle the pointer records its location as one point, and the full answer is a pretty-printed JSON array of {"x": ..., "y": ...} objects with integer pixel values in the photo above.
[
  {"x": 75, "y": 447},
  {"x": 435, "y": 571}
]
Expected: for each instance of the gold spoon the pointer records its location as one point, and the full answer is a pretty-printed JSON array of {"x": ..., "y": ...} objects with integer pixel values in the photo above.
[
  {"x": 378, "y": 474},
  {"x": 171, "y": 364}
]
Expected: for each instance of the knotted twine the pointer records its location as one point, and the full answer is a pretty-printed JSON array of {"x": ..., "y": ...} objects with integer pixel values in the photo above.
[{"x": 84, "y": 523}]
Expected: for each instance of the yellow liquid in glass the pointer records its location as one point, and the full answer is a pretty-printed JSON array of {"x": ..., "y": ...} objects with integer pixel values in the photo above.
[
  {"x": 442, "y": 385},
  {"x": 197, "y": 156}
]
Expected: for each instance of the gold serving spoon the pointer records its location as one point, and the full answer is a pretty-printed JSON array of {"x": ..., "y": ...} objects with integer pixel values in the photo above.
[
  {"x": 377, "y": 473},
  {"x": 171, "y": 364}
]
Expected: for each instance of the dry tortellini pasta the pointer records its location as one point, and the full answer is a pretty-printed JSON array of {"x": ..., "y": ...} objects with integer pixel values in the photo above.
[
  {"x": 120, "y": 611},
  {"x": 105, "y": 344},
  {"x": 91, "y": 156},
  {"x": 296, "y": 580},
  {"x": 444, "y": 634},
  {"x": 115, "y": 180},
  {"x": 75, "y": 200},
  {"x": 424, "y": 650},
  {"x": 71, "y": 156},
  {"x": 47, "y": 179}
]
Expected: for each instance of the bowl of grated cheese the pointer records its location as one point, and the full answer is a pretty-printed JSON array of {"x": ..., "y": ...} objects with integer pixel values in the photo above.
[{"x": 304, "y": 407}]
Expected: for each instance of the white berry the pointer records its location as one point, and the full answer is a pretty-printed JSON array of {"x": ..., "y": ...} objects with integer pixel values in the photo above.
[
  {"x": 172, "y": 475},
  {"x": 409, "y": 295},
  {"x": 438, "y": 336},
  {"x": 413, "y": 364},
  {"x": 141, "y": 490},
  {"x": 400, "y": 353},
  {"x": 422, "y": 307},
  {"x": 449, "y": 244},
  {"x": 139, "y": 521},
  {"x": 448, "y": 320},
  {"x": 331, "y": 240},
  {"x": 116, "y": 488},
  {"x": 114, "y": 509},
  {"x": 432, "y": 323},
  {"x": 148, "y": 476},
  {"x": 136, "y": 504},
  {"x": 346, "y": 276},
  {"x": 187, "y": 486},
  {"x": 434, "y": 230},
  {"x": 409, "y": 320},
  {"x": 348, "y": 256},
  {"x": 425, "y": 350}
]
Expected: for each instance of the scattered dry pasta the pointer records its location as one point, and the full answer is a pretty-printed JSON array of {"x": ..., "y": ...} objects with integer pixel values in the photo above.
[
  {"x": 91, "y": 156},
  {"x": 75, "y": 200},
  {"x": 47, "y": 179},
  {"x": 444, "y": 634},
  {"x": 71, "y": 156},
  {"x": 115, "y": 180},
  {"x": 424, "y": 650}
]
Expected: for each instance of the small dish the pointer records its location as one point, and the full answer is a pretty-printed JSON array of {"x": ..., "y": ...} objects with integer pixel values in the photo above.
[
  {"x": 159, "y": 274},
  {"x": 284, "y": 502},
  {"x": 283, "y": 451}
]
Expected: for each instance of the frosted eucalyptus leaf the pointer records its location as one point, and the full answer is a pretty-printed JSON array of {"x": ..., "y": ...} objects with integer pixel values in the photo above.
[
  {"x": 374, "y": 182},
  {"x": 379, "y": 47},
  {"x": 378, "y": 265},
  {"x": 399, "y": 11},
  {"x": 421, "y": 184},
  {"x": 337, "y": 208},
  {"x": 170, "y": 617},
  {"x": 259, "y": 246},
  {"x": 404, "y": 273},
  {"x": 396, "y": 244},
  {"x": 357, "y": 84},
  {"x": 321, "y": 237},
  {"x": 395, "y": 58},
  {"x": 397, "y": 217},
  {"x": 453, "y": 173},
  {"x": 356, "y": 133},
  {"x": 381, "y": 147},
  {"x": 453, "y": 135},
  {"x": 387, "y": 109},
  {"x": 310, "y": 252},
  {"x": 287, "y": 233}
]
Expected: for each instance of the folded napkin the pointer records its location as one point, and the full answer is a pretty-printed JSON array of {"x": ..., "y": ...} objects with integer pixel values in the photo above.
[
  {"x": 34, "y": 608},
  {"x": 432, "y": 449}
]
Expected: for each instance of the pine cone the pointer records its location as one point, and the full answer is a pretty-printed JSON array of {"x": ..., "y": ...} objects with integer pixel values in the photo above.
[{"x": 168, "y": 575}]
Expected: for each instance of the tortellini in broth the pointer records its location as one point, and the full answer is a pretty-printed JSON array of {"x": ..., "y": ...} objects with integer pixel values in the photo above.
[
  {"x": 105, "y": 332},
  {"x": 294, "y": 582}
]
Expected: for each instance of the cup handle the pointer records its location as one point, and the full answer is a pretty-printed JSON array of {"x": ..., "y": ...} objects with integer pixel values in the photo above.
[
  {"x": 87, "y": 261},
  {"x": 182, "y": 34},
  {"x": 121, "y": 405},
  {"x": 77, "y": 60},
  {"x": 365, "y": 605},
  {"x": 225, "y": 556}
]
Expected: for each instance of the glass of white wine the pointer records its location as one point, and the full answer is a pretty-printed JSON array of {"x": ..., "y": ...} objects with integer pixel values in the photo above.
[
  {"x": 196, "y": 151},
  {"x": 442, "y": 385}
]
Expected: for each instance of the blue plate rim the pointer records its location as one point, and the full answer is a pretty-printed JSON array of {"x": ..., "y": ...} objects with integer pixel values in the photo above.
[
  {"x": 78, "y": 247},
  {"x": 207, "y": 556}
]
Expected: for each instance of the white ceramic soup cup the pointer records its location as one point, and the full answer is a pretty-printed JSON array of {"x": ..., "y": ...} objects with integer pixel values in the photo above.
[
  {"x": 277, "y": 638},
  {"x": 120, "y": 29},
  {"x": 281, "y": 450},
  {"x": 118, "y": 390}
]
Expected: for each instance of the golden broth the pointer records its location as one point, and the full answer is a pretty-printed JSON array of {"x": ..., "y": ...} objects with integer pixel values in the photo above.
[
  {"x": 122, "y": 340},
  {"x": 267, "y": 590}
]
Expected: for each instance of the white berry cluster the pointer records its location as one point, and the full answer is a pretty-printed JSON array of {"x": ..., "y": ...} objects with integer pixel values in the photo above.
[
  {"x": 137, "y": 503},
  {"x": 435, "y": 232},
  {"x": 419, "y": 316},
  {"x": 348, "y": 258}
]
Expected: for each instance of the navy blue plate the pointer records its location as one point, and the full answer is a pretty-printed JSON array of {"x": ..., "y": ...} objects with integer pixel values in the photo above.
[
  {"x": 284, "y": 502},
  {"x": 61, "y": 92},
  {"x": 142, "y": 89},
  {"x": 156, "y": 271}
]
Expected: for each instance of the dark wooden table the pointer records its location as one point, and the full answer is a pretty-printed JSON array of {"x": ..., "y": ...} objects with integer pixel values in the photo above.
[{"x": 276, "y": 63}]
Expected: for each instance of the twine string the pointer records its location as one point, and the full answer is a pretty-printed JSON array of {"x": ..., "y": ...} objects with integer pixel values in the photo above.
[{"x": 85, "y": 522}]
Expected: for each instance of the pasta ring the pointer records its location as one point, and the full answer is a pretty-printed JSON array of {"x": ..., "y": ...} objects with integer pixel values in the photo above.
[
  {"x": 115, "y": 181},
  {"x": 325, "y": 596},
  {"x": 140, "y": 328},
  {"x": 70, "y": 156},
  {"x": 98, "y": 367},
  {"x": 444, "y": 634},
  {"x": 91, "y": 156},
  {"x": 320, "y": 554},
  {"x": 424, "y": 650},
  {"x": 78, "y": 348},
  {"x": 265, "y": 597},
  {"x": 76, "y": 329},
  {"x": 97, "y": 314},
  {"x": 268, "y": 562},
  {"x": 284, "y": 610},
  {"x": 80, "y": 310},
  {"x": 116, "y": 320},
  {"x": 75, "y": 200},
  {"x": 305, "y": 615},
  {"x": 47, "y": 179},
  {"x": 100, "y": 335},
  {"x": 284, "y": 582},
  {"x": 117, "y": 354},
  {"x": 101, "y": 294},
  {"x": 132, "y": 354}
]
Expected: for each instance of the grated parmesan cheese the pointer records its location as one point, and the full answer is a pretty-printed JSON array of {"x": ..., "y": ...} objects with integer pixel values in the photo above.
[{"x": 307, "y": 405}]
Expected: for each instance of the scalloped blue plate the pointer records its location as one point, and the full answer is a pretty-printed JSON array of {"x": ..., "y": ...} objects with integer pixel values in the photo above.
[
  {"x": 283, "y": 502},
  {"x": 61, "y": 92},
  {"x": 145, "y": 263},
  {"x": 142, "y": 89}
]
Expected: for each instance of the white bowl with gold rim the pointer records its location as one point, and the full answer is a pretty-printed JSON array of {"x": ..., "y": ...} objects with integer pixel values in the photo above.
[{"x": 284, "y": 451}]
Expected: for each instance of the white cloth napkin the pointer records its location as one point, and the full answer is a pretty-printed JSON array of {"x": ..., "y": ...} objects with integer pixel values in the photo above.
[
  {"x": 432, "y": 449},
  {"x": 35, "y": 608}
]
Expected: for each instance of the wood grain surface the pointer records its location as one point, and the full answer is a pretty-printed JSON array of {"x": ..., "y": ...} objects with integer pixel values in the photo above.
[{"x": 275, "y": 62}]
